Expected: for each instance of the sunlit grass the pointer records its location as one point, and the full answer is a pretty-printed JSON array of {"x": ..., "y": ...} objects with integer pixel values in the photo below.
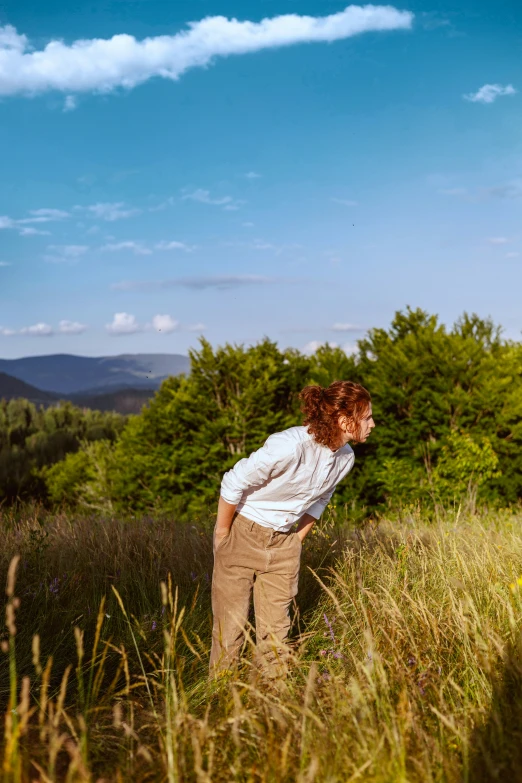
[{"x": 406, "y": 658}]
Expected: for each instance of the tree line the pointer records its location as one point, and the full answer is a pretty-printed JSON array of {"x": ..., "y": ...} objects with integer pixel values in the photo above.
[{"x": 447, "y": 403}]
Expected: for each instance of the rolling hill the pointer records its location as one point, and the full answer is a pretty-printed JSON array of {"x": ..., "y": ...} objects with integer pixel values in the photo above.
[
  {"x": 11, "y": 388},
  {"x": 65, "y": 374}
]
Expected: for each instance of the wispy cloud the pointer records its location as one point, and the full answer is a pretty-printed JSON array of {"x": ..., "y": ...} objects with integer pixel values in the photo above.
[
  {"x": 134, "y": 247},
  {"x": 5, "y": 263},
  {"x": 122, "y": 61},
  {"x": 24, "y": 225},
  {"x": 345, "y": 202},
  {"x": 71, "y": 327},
  {"x": 173, "y": 245},
  {"x": 219, "y": 282},
  {"x": 498, "y": 240},
  {"x": 196, "y": 327},
  {"x": 263, "y": 245},
  {"x": 253, "y": 175},
  {"x": 169, "y": 202},
  {"x": 70, "y": 103},
  {"x": 30, "y": 231},
  {"x": 63, "y": 253},
  {"x": 110, "y": 211},
  {"x": 344, "y": 327},
  {"x": 43, "y": 216},
  {"x": 489, "y": 93},
  {"x": 204, "y": 197},
  {"x": 513, "y": 254}
]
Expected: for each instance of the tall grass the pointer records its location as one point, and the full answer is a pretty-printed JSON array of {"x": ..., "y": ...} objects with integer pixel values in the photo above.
[{"x": 405, "y": 666}]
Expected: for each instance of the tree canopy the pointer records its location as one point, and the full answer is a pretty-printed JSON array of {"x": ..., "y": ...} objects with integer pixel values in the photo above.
[{"x": 447, "y": 403}]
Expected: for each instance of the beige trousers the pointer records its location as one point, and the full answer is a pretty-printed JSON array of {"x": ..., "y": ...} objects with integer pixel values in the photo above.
[{"x": 262, "y": 560}]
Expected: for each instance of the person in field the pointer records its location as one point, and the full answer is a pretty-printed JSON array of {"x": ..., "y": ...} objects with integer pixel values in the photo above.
[{"x": 289, "y": 480}]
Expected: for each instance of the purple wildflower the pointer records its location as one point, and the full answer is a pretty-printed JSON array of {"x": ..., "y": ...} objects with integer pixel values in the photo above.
[
  {"x": 154, "y": 625},
  {"x": 322, "y": 652},
  {"x": 328, "y": 623}
]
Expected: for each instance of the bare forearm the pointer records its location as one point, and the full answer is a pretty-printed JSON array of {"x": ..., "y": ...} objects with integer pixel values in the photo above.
[
  {"x": 225, "y": 516},
  {"x": 305, "y": 525}
]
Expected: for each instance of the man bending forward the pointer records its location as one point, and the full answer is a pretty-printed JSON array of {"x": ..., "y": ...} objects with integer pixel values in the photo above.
[{"x": 290, "y": 479}]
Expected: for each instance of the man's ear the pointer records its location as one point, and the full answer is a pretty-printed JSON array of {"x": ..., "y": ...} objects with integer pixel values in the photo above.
[{"x": 344, "y": 422}]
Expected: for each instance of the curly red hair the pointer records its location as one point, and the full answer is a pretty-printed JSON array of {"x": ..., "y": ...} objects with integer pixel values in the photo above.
[{"x": 322, "y": 408}]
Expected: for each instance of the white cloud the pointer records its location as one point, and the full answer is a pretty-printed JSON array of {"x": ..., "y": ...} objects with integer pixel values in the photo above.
[
  {"x": 341, "y": 327},
  {"x": 43, "y": 216},
  {"x": 489, "y": 93},
  {"x": 50, "y": 214},
  {"x": 313, "y": 345},
  {"x": 169, "y": 202},
  {"x": 350, "y": 348},
  {"x": 46, "y": 330},
  {"x": 5, "y": 263},
  {"x": 204, "y": 197},
  {"x": 248, "y": 224},
  {"x": 123, "y": 323},
  {"x": 498, "y": 241},
  {"x": 164, "y": 245},
  {"x": 101, "y": 65},
  {"x": 62, "y": 253},
  {"x": 71, "y": 327},
  {"x": 23, "y": 225},
  {"x": 136, "y": 247},
  {"x": 253, "y": 175},
  {"x": 38, "y": 330},
  {"x": 29, "y": 231},
  {"x": 164, "y": 323},
  {"x": 70, "y": 103},
  {"x": 345, "y": 202},
  {"x": 196, "y": 327},
  {"x": 513, "y": 254},
  {"x": 110, "y": 211}
]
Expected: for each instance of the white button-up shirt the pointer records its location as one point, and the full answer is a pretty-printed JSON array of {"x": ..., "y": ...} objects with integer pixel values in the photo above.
[{"x": 289, "y": 476}]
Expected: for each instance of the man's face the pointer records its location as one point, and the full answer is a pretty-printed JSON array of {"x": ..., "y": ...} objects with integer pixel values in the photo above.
[{"x": 367, "y": 424}]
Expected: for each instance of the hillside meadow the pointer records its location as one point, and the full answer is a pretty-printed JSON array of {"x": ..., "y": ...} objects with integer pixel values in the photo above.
[{"x": 405, "y": 664}]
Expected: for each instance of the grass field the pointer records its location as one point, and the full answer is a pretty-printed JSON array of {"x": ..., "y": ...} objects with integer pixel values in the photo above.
[{"x": 406, "y": 666}]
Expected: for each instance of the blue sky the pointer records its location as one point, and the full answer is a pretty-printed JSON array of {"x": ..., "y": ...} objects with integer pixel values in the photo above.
[{"x": 301, "y": 177}]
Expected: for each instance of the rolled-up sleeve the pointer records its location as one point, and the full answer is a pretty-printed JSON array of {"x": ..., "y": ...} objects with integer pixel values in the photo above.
[
  {"x": 317, "y": 508},
  {"x": 269, "y": 461}
]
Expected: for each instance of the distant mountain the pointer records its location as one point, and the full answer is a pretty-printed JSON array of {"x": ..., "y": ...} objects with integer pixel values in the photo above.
[
  {"x": 68, "y": 374},
  {"x": 123, "y": 401},
  {"x": 11, "y": 388}
]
